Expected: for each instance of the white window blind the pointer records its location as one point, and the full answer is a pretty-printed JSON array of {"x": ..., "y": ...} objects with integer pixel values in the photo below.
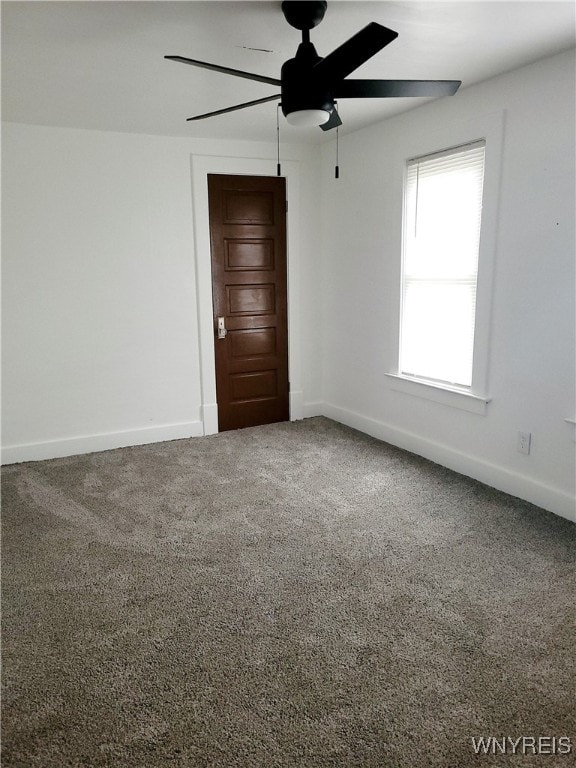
[{"x": 442, "y": 214}]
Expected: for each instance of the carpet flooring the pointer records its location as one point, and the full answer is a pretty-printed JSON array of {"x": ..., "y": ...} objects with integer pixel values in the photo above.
[{"x": 291, "y": 595}]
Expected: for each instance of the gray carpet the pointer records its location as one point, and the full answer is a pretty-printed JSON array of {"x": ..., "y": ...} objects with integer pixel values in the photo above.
[{"x": 290, "y": 595}]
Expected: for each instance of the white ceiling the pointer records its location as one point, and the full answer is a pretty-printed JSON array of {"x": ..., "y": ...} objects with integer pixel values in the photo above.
[{"x": 99, "y": 64}]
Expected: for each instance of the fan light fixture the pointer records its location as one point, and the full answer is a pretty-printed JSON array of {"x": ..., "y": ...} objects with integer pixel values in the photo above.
[{"x": 308, "y": 117}]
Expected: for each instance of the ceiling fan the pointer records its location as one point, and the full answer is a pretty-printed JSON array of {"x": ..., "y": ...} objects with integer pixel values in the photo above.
[{"x": 311, "y": 84}]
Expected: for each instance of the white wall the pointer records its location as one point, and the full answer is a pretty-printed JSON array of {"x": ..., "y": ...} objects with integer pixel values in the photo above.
[
  {"x": 100, "y": 321},
  {"x": 531, "y": 353}
]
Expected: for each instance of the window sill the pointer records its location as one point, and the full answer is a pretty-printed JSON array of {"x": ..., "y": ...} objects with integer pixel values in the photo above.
[{"x": 452, "y": 397}]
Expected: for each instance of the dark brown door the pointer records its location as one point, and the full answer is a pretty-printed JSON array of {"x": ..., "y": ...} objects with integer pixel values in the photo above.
[{"x": 248, "y": 241}]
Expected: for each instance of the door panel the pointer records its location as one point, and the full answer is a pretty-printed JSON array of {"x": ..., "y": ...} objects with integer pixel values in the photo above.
[
  {"x": 247, "y": 387},
  {"x": 248, "y": 242},
  {"x": 251, "y": 299},
  {"x": 252, "y": 342},
  {"x": 244, "y": 207},
  {"x": 249, "y": 255}
]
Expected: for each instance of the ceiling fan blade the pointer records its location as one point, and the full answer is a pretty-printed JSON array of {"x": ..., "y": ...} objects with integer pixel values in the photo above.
[
  {"x": 354, "y": 52},
  {"x": 233, "y": 109},
  {"x": 382, "y": 89},
  {"x": 333, "y": 122},
  {"x": 225, "y": 70}
]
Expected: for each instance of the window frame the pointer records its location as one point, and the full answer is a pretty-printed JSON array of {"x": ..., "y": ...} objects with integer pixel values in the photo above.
[
  {"x": 411, "y": 220},
  {"x": 488, "y": 128}
]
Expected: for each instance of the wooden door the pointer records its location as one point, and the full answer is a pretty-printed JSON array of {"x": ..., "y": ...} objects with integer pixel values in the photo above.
[{"x": 248, "y": 243}]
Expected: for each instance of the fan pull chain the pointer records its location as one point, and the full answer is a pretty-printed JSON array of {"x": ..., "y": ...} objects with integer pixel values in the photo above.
[
  {"x": 416, "y": 201},
  {"x": 278, "y": 169},
  {"x": 337, "y": 168}
]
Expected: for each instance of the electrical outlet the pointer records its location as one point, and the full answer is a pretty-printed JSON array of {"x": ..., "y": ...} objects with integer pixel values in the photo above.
[{"x": 524, "y": 440}]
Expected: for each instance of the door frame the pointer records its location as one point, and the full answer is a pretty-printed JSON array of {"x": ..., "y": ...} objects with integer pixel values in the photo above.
[{"x": 201, "y": 166}]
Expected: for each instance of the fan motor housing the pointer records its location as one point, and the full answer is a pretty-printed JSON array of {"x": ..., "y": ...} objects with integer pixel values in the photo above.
[{"x": 300, "y": 89}]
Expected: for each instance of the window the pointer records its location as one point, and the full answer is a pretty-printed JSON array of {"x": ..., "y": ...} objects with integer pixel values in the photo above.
[{"x": 442, "y": 215}]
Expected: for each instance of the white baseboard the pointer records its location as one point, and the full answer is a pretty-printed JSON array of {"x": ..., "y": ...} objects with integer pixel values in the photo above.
[
  {"x": 313, "y": 409},
  {"x": 72, "y": 446},
  {"x": 209, "y": 414},
  {"x": 296, "y": 405},
  {"x": 559, "y": 502}
]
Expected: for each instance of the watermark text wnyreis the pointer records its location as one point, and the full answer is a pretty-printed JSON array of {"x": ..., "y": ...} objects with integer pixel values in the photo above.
[{"x": 523, "y": 745}]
